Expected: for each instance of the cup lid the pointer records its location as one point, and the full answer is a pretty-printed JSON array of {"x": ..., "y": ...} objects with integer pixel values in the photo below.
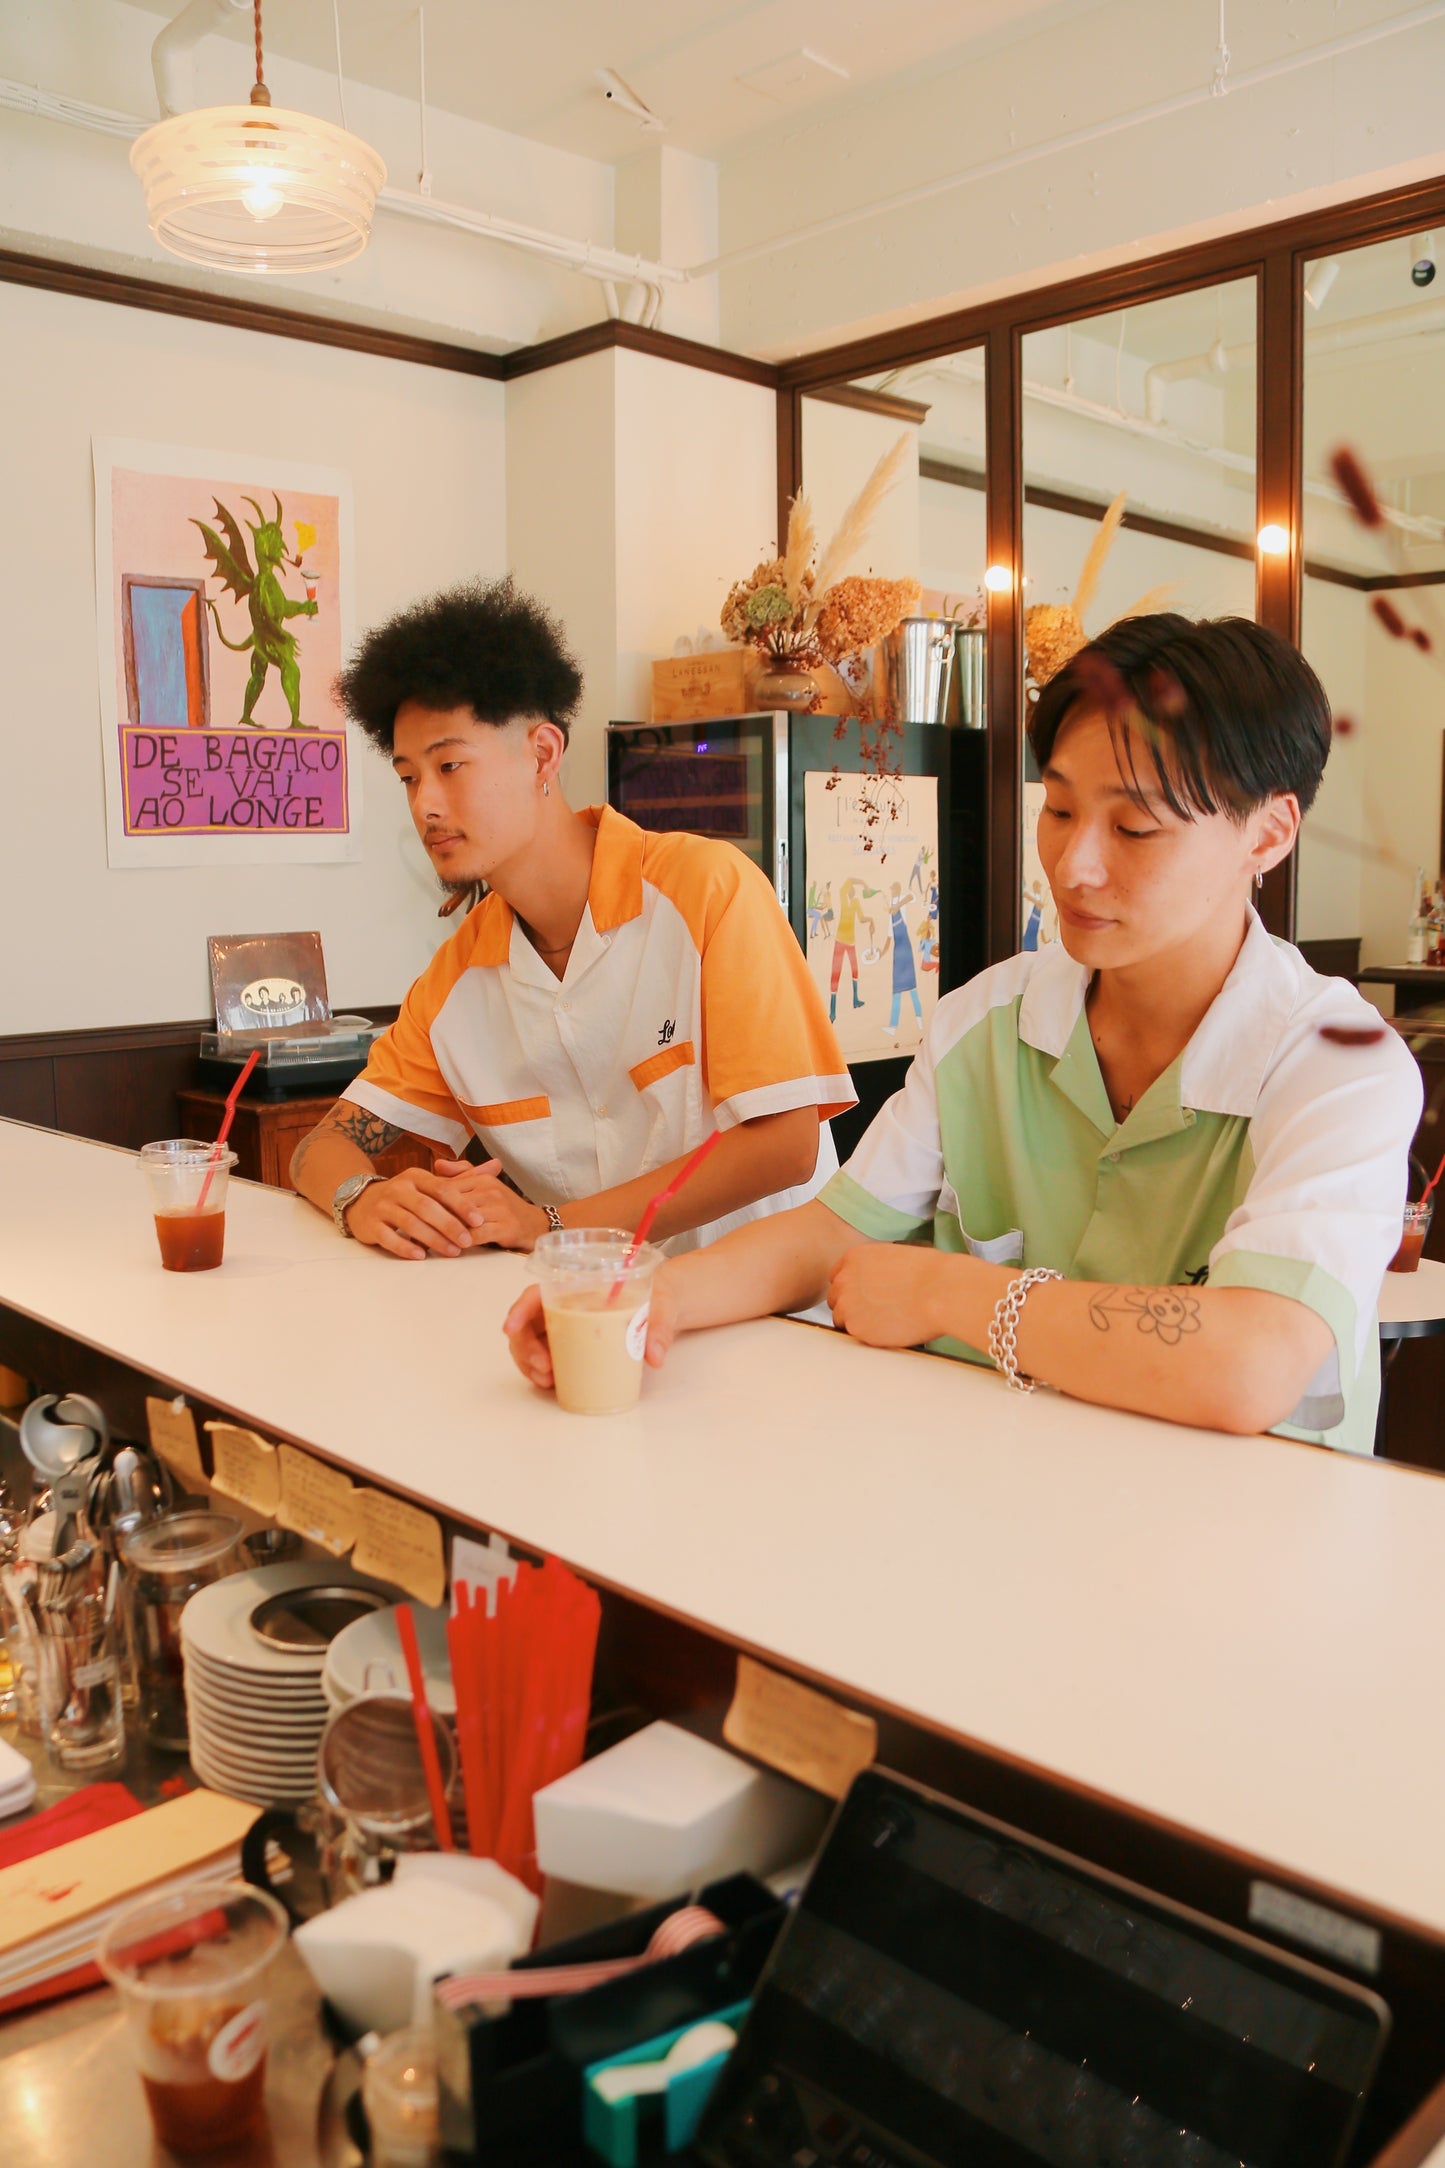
[{"x": 177, "y": 1542}]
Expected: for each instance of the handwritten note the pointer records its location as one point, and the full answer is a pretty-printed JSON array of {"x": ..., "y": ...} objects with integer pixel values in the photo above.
[
  {"x": 246, "y": 1467},
  {"x": 317, "y": 1501},
  {"x": 172, "y": 1429},
  {"x": 793, "y": 1728},
  {"x": 397, "y": 1542}
]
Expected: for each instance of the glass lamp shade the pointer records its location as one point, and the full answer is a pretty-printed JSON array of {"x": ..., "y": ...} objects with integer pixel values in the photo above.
[{"x": 257, "y": 188}]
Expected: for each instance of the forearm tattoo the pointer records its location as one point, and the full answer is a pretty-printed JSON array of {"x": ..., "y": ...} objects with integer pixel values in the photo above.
[
  {"x": 1167, "y": 1312},
  {"x": 369, "y": 1131}
]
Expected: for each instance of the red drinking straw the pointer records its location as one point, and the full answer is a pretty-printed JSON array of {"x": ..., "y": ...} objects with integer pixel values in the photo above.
[
  {"x": 1432, "y": 1181},
  {"x": 654, "y": 1204},
  {"x": 425, "y": 1733},
  {"x": 226, "y": 1120}
]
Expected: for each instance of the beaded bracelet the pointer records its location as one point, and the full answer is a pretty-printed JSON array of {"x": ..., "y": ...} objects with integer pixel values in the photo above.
[{"x": 1003, "y": 1329}]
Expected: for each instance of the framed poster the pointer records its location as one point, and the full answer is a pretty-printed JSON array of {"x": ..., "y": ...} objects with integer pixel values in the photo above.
[
  {"x": 223, "y": 610},
  {"x": 872, "y": 941}
]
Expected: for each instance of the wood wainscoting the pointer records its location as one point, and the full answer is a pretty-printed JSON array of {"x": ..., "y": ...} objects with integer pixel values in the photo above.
[{"x": 118, "y": 1086}]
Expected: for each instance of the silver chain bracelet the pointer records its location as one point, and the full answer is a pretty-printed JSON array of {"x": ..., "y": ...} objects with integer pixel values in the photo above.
[{"x": 1004, "y": 1326}]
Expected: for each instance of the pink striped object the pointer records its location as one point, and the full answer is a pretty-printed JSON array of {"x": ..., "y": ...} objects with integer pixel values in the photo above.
[{"x": 678, "y": 1932}]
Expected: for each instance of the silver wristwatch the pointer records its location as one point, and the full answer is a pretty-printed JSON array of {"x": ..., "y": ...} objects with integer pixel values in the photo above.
[{"x": 347, "y": 1193}]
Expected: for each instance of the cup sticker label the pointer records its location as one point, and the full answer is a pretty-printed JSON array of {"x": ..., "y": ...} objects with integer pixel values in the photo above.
[
  {"x": 637, "y": 1333},
  {"x": 239, "y": 2045}
]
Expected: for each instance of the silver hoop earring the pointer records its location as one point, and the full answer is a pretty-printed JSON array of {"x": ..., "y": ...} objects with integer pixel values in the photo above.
[
  {"x": 1258, "y": 879},
  {"x": 546, "y": 790}
]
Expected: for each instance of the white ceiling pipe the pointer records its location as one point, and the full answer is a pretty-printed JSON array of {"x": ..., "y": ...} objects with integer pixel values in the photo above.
[
  {"x": 610, "y": 266},
  {"x": 1350, "y": 333},
  {"x": 173, "y": 53}
]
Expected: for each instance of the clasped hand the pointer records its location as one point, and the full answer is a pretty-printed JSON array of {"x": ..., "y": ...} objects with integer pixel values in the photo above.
[{"x": 440, "y": 1213}]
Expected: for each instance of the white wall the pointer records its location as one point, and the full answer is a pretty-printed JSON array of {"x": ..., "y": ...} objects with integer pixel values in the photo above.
[
  {"x": 85, "y": 945},
  {"x": 841, "y": 447},
  {"x": 1329, "y": 903},
  {"x": 638, "y": 491},
  {"x": 1400, "y": 756}
]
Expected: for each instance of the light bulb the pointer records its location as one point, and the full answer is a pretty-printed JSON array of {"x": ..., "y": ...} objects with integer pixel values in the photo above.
[
  {"x": 262, "y": 200},
  {"x": 1273, "y": 540},
  {"x": 998, "y": 579}
]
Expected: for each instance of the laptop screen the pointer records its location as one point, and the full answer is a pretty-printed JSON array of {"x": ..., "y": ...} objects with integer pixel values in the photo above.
[{"x": 952, "y": 1992}]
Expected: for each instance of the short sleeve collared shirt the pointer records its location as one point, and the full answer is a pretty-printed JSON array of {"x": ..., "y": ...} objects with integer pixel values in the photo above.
[
  {"x": 687, "y": 1006},
  {"x": 1272, "y": 1154}
]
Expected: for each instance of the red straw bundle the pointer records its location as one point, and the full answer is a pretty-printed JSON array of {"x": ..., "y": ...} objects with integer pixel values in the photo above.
[{"x": 523, "y": 1679}]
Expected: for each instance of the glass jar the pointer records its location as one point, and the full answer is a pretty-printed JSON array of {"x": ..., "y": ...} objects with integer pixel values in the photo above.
[{"x": 166, "y": 1561}]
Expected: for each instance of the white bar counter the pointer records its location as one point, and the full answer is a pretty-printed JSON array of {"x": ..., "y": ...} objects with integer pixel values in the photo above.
[{"x": 1241, "y": 1635}]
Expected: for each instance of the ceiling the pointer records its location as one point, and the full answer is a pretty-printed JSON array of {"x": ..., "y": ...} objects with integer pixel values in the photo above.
[{"x": 532, "y": 69}]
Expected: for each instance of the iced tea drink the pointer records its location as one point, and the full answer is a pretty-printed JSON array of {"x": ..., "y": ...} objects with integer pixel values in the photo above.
[
  {"x": 596, "y": 1308},
  {"x": 187, "y": 1181},
  {"x": 192, "y": 1971},
  {"x": 1412, "y": 1237}
]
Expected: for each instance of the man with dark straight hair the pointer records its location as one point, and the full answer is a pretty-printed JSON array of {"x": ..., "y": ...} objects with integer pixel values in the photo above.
[{"x": 1160, "y": 1163}]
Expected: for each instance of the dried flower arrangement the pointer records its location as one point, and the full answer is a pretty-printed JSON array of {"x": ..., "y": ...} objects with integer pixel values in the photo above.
[
  {"x": 1054, "y": 632},
  {"x": 798, "y": 609}
]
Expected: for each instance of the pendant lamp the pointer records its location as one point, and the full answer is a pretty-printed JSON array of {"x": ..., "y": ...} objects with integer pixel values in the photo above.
[{"x": 256, "y": 188}]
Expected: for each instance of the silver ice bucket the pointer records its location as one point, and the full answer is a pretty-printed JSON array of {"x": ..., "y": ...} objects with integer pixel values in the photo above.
[
  {"x": 970, "y": 709},
  {"x": 917, "y": 665}
]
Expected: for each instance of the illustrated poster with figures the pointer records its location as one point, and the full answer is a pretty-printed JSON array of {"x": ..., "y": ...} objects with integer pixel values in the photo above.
[
  {"x": 223, "y": 605},
  {"x": 872, "y": 898},
  {"x": 1038, "y": 916}
]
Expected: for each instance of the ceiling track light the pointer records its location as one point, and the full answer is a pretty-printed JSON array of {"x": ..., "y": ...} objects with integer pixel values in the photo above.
[{"x": 255, "y": 187}]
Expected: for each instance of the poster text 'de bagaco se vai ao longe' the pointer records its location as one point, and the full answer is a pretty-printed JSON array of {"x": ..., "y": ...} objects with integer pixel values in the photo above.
[{"x": 223, "y": 591}]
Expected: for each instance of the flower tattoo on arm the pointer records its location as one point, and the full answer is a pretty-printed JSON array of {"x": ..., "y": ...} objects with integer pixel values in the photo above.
[{"x": 1167, "y": 1312}]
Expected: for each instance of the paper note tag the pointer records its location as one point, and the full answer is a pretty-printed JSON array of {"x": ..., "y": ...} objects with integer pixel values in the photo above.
[
  {"x": 316, "y": 1501},
  {"x": 246, "y": 1467},
  {"x": 797, "y": 1730},
  {"x": 173, "y": 1438},
  {"x": 482, "y": 1566},
  {"x": 397, "y": 1542}
]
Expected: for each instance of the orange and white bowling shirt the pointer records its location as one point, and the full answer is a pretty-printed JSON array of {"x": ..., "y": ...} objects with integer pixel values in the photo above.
[{"x": 687, "y": 1006}]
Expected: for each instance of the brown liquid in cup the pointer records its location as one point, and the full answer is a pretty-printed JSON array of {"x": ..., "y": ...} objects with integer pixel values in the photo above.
[
  {"x": 212, "y": 2112},
  {"x": 190, "y": 1241},
  {"x": 1407, "y": 1256}
]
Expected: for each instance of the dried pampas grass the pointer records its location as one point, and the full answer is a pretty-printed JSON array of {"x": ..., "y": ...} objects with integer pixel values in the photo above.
[
  {"x": 798, "y": 555},
  {"x": 852, "y": 529}
]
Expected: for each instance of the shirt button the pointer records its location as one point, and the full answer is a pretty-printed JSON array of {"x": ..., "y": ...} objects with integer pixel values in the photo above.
[{"x": 1113, "y": 1159}]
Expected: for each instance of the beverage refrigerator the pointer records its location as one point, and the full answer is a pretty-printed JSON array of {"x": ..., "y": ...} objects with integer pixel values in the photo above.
[{"x": 882, "y": 873}]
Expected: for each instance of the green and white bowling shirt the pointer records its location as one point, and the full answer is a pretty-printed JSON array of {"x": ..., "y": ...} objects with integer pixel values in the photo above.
[{"x": 1268, "y": 1155}]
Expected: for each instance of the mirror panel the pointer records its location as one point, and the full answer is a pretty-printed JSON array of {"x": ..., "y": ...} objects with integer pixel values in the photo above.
[
  {"x": 1158, "y": 401},
  {"x": 1374, "y": 376}
]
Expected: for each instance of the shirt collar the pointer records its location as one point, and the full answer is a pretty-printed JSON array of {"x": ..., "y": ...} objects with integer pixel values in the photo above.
[
  {"x": 1221, "y": 1070},
  {"x": 614, "y": 891}
]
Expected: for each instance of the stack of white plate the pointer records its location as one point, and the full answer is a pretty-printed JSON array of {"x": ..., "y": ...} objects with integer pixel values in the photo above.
[
  {"x": 255, "y": 1705},
  {"x": 366, "y": 1658}
]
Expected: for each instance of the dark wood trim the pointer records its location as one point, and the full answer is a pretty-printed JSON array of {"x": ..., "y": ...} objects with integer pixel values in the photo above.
[
  {"x": 914, "y": 411},
  {"x": 1205, "y": 263},
  {"x": 139, "y": 1038},
  {"x": 1171, "y": 530},
  {"x": 633, "y": 338},
  {"x": 1003, "y": 446},
  {"x": 790, "y": 458},
  {"x": 1413, "y": 2146},
  {"x": 1279, "y": 455},
  {"x": 129, "y": 292}
]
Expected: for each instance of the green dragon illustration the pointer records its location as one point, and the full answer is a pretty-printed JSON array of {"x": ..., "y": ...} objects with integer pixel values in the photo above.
[{"x": 272, "y": 645}]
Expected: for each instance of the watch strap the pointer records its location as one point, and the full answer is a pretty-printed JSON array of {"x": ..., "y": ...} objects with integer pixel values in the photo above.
[{"x": 346, "y": 1195}]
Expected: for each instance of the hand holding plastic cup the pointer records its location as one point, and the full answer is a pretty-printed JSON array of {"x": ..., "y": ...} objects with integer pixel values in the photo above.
[
  {"x": 191, "y": 1235},
  {"x": 191, "y": 1970},
  {"x": 596, "y": 1304}
]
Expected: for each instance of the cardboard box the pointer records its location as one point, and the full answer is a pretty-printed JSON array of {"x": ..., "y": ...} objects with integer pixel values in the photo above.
[{"x": 690, "y": 688}]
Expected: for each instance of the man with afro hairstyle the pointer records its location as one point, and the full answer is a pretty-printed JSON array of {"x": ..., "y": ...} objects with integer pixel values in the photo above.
[{"x": 614, "y": 998}]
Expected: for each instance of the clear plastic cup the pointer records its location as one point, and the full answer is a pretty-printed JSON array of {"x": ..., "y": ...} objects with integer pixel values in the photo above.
[
  {"x": 192, "y": 1972},
  {"x": 178, "y": 1172},
  {"x": 1412, "y": 1236},
  {"x": 596, "y": 1313},
  {"x": 399, "y": 2094}
]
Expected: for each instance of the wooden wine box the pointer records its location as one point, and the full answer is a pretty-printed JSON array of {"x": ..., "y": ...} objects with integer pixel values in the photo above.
[{"x": 690, "y": 688}]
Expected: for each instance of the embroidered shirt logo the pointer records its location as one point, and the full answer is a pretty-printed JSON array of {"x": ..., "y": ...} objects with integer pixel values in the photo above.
[{"x": 665, "y": 1035}]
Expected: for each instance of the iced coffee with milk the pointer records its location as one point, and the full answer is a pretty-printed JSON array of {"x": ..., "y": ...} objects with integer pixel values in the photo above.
[{"x": 596, "y": 1293}]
